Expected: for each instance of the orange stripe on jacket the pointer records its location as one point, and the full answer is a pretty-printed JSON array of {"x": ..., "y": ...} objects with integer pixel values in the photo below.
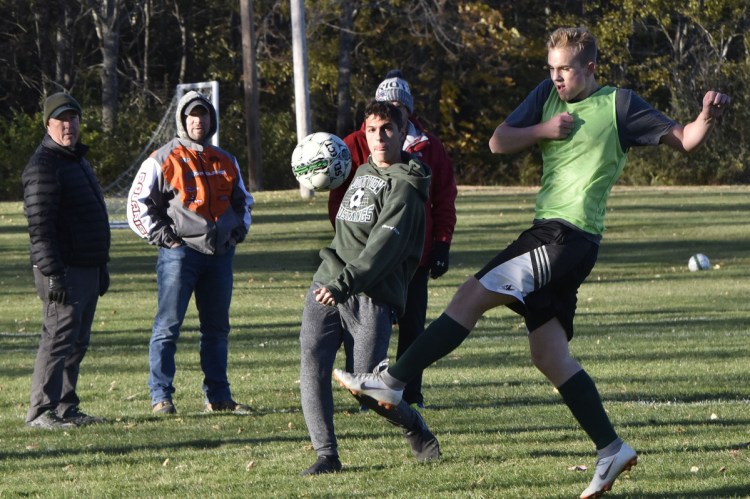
[{"x": 202, "y": 179}]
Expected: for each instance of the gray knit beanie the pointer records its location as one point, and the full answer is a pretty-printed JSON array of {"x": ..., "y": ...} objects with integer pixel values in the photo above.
[{"x": 395, "y": 88}]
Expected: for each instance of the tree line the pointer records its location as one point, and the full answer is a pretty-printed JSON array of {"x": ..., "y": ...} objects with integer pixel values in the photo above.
[{"x": 469, "y": 63}]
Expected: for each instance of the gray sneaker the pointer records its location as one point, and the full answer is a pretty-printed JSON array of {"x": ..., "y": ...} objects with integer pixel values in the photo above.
[
  {"x": 50, "y": 421},
  {"x": 424, "y": 445},
  {"x": 370, "y": 384},
  {"x": 80, "y": 418},
  {"x": 163, "y": 407}
]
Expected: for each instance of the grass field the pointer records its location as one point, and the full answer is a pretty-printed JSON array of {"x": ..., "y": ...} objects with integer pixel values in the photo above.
[{"x": 669, "y": 349}]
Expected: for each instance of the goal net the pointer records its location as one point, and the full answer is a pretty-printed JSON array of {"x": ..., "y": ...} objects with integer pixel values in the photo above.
[{"x": 116, "y": 192}]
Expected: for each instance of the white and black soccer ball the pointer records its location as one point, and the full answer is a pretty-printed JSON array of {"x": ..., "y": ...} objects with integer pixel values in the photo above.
[
  {"x": 321, "y": 161},
  {"x": 699, "y": 261}
]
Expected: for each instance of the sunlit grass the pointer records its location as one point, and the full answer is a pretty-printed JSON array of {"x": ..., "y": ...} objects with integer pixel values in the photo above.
[{"x": 669, "y": 349}]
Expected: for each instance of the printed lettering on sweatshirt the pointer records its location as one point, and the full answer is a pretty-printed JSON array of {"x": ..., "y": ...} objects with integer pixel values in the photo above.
[{"x": 356, "y": 206}]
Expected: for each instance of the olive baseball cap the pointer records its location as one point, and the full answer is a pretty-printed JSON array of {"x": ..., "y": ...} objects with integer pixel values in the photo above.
[
  {"x": 195, "y": 103},
  {"x": 58, "y": 103}
]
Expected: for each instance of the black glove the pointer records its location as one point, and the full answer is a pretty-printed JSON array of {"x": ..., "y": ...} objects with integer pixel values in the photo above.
[
  {"x": 103, "y": 280},
  {"x": 439, "y": 258},
  {"x": 171, "y": 240},
  {"x": 238, "y": 235},
  {"x": 58, "y": 289}
]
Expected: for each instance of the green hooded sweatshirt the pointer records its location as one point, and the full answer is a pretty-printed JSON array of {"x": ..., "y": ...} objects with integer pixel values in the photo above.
[{"x": 380, "y": 230}]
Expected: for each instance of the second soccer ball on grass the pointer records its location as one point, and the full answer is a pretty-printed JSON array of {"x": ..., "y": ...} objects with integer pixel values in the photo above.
[{"x": 699, "y": 261}]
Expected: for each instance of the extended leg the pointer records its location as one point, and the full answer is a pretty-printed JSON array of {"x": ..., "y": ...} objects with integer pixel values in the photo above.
[{"x": 443, "y": 336}]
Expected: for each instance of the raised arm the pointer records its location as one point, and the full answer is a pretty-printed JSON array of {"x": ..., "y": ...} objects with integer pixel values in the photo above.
[{"x": 691, "y": 136}]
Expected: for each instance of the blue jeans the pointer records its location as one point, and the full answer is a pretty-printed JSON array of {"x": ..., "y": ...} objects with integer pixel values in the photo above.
[{"x": 180, "y": 272}]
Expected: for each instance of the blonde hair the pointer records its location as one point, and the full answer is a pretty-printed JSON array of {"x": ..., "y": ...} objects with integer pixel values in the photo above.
[{"x": 579, "y": 39}]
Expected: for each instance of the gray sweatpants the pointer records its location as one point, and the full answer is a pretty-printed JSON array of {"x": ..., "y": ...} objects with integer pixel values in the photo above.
[{"x": 364, "y": 328}]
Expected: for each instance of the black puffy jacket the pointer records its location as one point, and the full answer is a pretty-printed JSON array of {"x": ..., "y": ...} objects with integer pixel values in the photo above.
[{"x": 64, "y": 205}]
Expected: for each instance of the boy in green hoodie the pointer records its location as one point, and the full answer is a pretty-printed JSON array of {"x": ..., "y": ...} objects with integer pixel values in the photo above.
[{"x": 361, "y": 283}]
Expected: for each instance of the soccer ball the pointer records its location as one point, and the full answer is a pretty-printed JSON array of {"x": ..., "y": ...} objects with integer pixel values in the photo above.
[
  {"x": 699, "y": 261},
  {"x": 321, "y": 161}
]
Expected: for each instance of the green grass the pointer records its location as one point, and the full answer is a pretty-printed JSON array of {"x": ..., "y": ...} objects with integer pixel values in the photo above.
[{"x": 669, "y": 349}]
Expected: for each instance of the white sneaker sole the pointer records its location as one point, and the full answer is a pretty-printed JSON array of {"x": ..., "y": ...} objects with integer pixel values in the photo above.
[
  {"x": 381, "y": 403},
  {"x": 606, "y": 487}
]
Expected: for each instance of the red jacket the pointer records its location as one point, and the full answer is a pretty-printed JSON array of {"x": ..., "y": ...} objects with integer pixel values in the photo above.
[{"x": 440, "y": 207}]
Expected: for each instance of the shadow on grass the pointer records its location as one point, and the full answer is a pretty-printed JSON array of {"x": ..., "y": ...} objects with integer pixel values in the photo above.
[
  {"x": 304, "y": 261},
  {"x": 649, "y": 254},
  {"x": 290, "y": 217},
  {"x": 509, "y": 401},
  {"x": 255, "y": 340},
  {"x": 14, "y": 229},
  {"x": 161, "y": 445},
  {"x": 726, "y": 492},
  {"x": 664, "y": 253}
]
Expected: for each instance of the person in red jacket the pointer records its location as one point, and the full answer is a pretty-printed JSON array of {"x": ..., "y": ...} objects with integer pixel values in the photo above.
[{"x": 440, "y": 211}]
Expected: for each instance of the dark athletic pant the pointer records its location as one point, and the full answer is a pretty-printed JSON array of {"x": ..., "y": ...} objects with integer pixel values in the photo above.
[
  {"x": 411, "y": 326},
  {"x": 66, "y": 330}
]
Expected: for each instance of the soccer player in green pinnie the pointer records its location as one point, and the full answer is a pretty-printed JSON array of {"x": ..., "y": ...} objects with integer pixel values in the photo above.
[{"x": 584, "y": 131}]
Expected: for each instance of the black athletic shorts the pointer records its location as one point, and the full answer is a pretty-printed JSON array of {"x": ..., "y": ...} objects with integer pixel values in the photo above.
[{"x": 543, "y": 270}]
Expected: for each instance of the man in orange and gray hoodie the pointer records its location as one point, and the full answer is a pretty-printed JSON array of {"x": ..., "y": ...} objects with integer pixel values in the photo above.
[{"x": 189, "y": 199}]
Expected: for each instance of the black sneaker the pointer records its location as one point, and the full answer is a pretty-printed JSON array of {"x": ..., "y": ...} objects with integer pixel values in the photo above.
[
  {"x": 324, "y": 464},
  {"x": 229, "y": 406},
  {"x": 50, "y": 421},
  {"x": 80, "y": 418},
  {"x": 424, "y": 445}
]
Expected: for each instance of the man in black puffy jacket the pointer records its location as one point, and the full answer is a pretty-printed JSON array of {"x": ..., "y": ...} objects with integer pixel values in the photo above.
[{"x": 70, "y": 240}]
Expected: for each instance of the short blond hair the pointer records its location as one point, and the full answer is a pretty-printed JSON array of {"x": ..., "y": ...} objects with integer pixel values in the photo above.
[{"x": 579, "y": 39}]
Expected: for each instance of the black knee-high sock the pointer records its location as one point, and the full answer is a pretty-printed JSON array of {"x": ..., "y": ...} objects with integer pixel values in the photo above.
[
  {"x": 583, "y": 400},
  {"x": 438, "y": 340}
]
